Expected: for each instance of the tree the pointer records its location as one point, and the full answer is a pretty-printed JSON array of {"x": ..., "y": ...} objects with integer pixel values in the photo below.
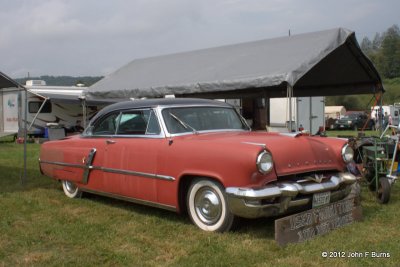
[
  {"x": 366, "y": 45},
  {"x": 376, "y": 42},
  {"x": 391, "y": 52}
]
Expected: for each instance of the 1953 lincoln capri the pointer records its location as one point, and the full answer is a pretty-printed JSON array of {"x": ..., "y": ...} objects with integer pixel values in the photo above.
[{"x": 198, "y": 156}]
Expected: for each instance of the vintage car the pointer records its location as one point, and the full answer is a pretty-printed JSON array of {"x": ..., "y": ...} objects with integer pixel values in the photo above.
[{"x": 198, "y": 156}]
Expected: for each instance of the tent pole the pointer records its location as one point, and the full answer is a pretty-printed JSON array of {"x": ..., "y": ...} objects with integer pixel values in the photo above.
[
  {"x": 84, "y": 115},
  {"x": 23, "y": 180},
  {"x": 290, "y": 94}
]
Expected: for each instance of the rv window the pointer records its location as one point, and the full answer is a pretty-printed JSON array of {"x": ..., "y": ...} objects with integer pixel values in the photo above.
[{"x": 34, "y": 107}]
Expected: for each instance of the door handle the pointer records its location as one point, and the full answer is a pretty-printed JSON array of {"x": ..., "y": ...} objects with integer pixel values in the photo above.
[{"x": 109, "y": 142}]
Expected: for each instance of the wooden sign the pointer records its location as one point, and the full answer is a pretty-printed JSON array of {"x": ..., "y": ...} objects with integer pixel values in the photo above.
[{"x": 306, "y": 225}]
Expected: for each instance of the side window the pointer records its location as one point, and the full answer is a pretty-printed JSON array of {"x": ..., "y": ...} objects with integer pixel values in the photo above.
[
  {"x": 138, "y": 122},
  {"x": 34, "y": 106},
  {"x": 107, "y": 125}
]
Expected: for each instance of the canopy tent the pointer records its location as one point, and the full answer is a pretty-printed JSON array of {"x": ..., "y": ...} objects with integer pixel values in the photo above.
[
  {"x": 321, "y": 63},
  {"x": 6, "y": 83}
]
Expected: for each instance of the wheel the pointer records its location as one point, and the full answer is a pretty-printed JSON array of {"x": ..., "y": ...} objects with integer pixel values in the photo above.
[
  {"x": 71, "y": 190},
  {"x": 383, "y": 193},
  {"x": 207, "y": 206}
]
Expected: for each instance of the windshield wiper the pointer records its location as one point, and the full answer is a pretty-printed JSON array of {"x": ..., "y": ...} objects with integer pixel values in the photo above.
[{"x": 184, "y": 124}]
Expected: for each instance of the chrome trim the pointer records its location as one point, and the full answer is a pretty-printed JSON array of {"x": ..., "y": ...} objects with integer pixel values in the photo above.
[
  {"x": 62, "y": 164},
  {"x": 249, "y": 209},
  {"x": 135, "y": 173},
  {"x": 88, "y": 165},
  {"x": 290, "y": 189},
  {"x": 246, "y": 202},
  {"x": 256, "y": 144},
  {"x": 344, "y": 153},
  {"x": 258, "y": 162},
  {"x": 130, "y": 199},
  {"x": 111, "y": 170}
]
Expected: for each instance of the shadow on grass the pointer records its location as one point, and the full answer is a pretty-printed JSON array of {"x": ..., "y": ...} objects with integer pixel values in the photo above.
[{"x": 262, "y": 228}]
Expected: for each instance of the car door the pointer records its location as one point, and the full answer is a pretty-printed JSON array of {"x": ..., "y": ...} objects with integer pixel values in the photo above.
[
  {"x": 99, "y": 136},
  {"x": 130, "y": 163}
]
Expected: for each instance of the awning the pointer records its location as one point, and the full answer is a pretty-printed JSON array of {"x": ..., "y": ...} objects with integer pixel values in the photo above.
[
  {"x": 6, "y": 83},
  {"x": 314, "y": 64},
  {"x": 71, "y": 97}
]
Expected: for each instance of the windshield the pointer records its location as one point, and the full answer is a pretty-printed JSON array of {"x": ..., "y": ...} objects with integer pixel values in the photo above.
[{"x": 193, "y": 119}]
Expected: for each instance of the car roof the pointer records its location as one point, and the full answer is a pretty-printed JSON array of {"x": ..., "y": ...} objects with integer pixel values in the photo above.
[{"x": 157, "y": 102}]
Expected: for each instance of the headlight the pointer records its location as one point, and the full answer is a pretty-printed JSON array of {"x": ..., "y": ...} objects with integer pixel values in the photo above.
[
  {"x": 264, "y": 162},
  {"x": 347, "y": 153}
]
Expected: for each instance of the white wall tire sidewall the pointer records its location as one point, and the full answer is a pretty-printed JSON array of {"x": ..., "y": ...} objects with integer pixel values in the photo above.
[
  {"x": 220, "y": 225},
  {"x": 75, "y": 194}
]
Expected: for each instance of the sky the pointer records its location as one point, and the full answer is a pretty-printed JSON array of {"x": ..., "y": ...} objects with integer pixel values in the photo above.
[{"x": 95, "y": 38}]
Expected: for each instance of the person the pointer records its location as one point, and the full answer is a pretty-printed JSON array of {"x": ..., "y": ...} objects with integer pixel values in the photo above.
[{"x": 385, "y": 120}]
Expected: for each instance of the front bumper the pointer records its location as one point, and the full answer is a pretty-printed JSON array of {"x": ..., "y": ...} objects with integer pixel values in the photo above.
[{"x": 280, "y": 197}]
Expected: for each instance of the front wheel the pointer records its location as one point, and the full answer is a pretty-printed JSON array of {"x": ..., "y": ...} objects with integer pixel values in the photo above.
[
  {"x": 383, "y": 193},
  {"x": 71, "y": 190},
  {"x": 207, "y": 206}
]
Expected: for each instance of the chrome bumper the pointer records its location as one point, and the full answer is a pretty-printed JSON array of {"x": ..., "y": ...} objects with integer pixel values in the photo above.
[{"x": 278, "y": 198}]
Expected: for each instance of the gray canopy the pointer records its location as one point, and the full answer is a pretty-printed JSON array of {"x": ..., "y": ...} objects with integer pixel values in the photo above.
[
  {"x": 321, "y": 63},
  {"x": 6, "y": 82}
]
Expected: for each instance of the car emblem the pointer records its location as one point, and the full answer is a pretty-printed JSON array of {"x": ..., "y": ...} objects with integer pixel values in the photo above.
[{"x": 317, "y": 178}]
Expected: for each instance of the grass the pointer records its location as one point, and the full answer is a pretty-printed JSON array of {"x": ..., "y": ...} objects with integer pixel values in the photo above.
[
  {"x": 39, "y": 226},
  {"x": 346, "y": 133}
]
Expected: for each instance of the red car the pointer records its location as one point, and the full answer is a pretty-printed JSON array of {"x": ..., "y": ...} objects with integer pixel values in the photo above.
[{"x": 198, "y": 156}]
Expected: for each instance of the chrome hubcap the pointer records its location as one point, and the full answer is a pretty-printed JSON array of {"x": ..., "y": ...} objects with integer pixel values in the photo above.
[
  {"x": 70, "y": 187},
  {"x": 208, "y": 206}
]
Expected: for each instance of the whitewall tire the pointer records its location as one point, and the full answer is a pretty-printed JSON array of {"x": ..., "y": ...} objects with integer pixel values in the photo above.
[
  {"x": 71, "y": 190},
  {"x": 207, "y": 206}
]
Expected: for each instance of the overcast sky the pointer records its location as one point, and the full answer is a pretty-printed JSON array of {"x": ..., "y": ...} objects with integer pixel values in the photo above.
[{"x": 93, "y": 37}]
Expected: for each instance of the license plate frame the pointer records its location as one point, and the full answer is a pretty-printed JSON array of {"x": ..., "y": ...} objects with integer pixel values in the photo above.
[{"x": 321, "y": 199}]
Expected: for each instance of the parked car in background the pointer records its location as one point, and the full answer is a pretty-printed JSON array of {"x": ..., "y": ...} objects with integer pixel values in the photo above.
[
  {"x": 354, "y": 121},
  {"x": 200, "y": 157}
]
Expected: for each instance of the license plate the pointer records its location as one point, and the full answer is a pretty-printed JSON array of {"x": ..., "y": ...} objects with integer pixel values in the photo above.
[
  {"x": 341, "y": 126},
  {"x": 320, "y": 199}
]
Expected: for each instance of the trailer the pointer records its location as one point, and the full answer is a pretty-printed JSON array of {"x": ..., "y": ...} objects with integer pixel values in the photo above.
[
  {"x": 392, "y": 110},
  {"x": 56, "y": 106},
  {"x": 9, "y": 112},
  {"x": 308, "y": 113}
]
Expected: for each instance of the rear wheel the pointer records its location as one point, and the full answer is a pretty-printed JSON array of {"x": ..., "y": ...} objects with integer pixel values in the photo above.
[
  {"x": 71, "y": 190},
  {"x": 207, "y": 206},
  {"x": 383, "y": 193}
]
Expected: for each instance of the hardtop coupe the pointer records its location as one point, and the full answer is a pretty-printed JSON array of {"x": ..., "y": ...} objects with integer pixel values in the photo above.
[{"x": 198, "y": 156}]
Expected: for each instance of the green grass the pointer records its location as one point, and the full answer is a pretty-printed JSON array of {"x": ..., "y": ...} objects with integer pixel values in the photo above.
[
  {"x": 39, "y": 226},
  {"x": 349, "y": 133}
]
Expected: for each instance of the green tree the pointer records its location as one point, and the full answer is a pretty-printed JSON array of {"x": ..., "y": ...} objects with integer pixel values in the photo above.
[{"x": 391, "y": 53}]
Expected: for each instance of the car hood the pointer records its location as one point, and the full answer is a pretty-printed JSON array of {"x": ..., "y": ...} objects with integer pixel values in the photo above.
[{"x": 291, "y": 153}]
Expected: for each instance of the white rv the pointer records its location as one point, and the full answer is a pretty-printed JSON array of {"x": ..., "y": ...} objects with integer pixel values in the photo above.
[
  {"x": 55, "y": 105},
  {"x": 392, "y": 110}
]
